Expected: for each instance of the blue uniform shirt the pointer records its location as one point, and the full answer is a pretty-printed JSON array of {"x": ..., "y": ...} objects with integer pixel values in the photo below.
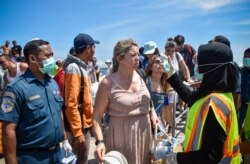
[{"x": 35, "y": 107}]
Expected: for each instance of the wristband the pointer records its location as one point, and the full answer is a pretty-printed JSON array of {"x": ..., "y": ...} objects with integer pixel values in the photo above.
[{"x": 98, "y": 141}]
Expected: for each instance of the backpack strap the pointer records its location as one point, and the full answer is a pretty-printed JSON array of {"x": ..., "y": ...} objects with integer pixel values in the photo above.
[
  {"x": 80, "y": 104},
  {"x": 81, "y": 101},
  {"x": 142, "y": 73},
  {"x": 190, "y": 51}
]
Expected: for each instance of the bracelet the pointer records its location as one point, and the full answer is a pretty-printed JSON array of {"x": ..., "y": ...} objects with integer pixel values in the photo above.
[{"x": 98, "y": 141}]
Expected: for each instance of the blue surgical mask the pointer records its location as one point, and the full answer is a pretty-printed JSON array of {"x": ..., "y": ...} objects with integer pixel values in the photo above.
[
  {"x": 246, "y": 62},
  {"x": 48, "y": 65},
  {"x": 198, "y": 76}
]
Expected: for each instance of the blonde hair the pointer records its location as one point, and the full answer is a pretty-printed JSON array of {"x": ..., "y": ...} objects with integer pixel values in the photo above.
[{"x": 121, "y": 48}]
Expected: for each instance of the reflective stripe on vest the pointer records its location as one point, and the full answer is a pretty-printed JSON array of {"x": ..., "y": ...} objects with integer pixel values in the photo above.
[
  {"x": 247, "y": 123},
  {"x": 224, "y": 110}
]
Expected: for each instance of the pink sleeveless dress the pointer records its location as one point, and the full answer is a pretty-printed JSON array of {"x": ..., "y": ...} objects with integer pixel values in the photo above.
[{"x": 129, "y": 129}]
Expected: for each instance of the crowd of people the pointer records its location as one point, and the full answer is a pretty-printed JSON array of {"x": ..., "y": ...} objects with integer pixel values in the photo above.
[{"x": 50, "y": 105}]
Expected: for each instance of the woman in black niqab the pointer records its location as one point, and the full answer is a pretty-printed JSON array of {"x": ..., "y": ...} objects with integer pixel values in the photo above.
[{"x": 220, "y": 73}]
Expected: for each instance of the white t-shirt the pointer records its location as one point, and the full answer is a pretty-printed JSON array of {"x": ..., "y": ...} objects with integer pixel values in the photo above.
[{"x": 177, "y": 58}]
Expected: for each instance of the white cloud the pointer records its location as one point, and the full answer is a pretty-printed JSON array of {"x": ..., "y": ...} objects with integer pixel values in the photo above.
[
  {"x": 213, "y": 4},
  {"x": 113, "y": 25}
]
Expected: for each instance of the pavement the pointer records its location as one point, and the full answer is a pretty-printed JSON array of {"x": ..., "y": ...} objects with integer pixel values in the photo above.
[{"x": 91, "y": 157}]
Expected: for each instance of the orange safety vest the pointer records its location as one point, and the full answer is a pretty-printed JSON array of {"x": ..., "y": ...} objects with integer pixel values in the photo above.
[{"x": 224, "y": 110}]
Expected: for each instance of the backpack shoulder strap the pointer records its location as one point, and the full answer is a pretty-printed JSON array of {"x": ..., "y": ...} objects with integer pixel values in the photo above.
[
  {"x": 190, "y": 51},
  {"x": 177, "y": 57},
  {"x": 81, "y": 101},
  {"x": 142, "y": 73}
]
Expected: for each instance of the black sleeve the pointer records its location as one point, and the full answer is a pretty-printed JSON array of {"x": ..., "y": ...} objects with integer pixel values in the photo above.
[
  {"x": 212, "y": 148},
  {"x": 183, "y": 91}
]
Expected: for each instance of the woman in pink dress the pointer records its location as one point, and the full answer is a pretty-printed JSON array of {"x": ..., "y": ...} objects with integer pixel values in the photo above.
[{"x": 124, "y": 95}]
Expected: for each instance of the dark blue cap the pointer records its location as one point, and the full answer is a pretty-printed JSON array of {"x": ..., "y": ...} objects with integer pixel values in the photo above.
[{"x": 82, "y": 40}]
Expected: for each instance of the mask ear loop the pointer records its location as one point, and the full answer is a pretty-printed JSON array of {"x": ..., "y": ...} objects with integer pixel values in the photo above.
[
  {"x": 221, "y": 64},
  {"x": 37, "y": 62}
]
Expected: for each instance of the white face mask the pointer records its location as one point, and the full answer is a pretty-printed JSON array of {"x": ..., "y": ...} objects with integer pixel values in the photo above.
[{"x": 212, "y": 64}]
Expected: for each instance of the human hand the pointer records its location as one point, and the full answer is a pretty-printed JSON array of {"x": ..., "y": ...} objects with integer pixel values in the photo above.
[
  {"x": 66, "y": 146},
  {"x": 155, "y": 120},
  {"x": 100, "y": 152},
  {"x": 165, "y": 63},
  {"x": 171, "y": 158},
  {"x": 80, "y": 142}
]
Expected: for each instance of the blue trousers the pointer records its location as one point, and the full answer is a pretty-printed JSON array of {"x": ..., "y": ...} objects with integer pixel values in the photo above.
[{"x": 38, "y": 157}]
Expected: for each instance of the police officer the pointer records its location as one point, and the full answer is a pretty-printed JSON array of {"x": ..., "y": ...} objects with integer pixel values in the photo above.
[{"x": 31, "y": 111}]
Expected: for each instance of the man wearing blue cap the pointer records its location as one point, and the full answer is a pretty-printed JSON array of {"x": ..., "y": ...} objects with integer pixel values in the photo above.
[{"x": 78, "y": 102}]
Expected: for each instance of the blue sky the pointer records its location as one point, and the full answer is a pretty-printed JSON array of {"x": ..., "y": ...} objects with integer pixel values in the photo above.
[{"x": 111, "y": 20}]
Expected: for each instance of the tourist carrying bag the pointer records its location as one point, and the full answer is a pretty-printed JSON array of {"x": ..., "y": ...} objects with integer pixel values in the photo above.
[{"x": 162, "y": 146}]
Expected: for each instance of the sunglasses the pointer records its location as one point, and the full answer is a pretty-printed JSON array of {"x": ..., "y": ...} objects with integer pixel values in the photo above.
[
  {"x": 171, "y": 51},
  {"x": 158, "y": 61}
]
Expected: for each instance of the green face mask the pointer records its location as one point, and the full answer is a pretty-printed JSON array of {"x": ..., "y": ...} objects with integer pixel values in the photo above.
[
  {"x": 246, "y": 62},
  {"x": 48, "y": 65}
]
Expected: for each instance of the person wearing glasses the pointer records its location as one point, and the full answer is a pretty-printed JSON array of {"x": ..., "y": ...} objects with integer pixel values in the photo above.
[{"x": 157, "y": 85}]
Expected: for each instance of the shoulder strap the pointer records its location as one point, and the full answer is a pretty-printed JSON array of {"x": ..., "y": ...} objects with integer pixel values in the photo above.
[
  {"x": 142, "y": 73},
  {"x": 80, "y": 104},
  {"x": 177, "y": 57},
  {"x": 190, "y": 51}
]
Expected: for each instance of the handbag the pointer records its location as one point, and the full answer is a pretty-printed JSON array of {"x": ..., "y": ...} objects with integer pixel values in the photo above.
[
  {"x": 162, "y": 146},
  {"x": 66, "y": 157}
]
